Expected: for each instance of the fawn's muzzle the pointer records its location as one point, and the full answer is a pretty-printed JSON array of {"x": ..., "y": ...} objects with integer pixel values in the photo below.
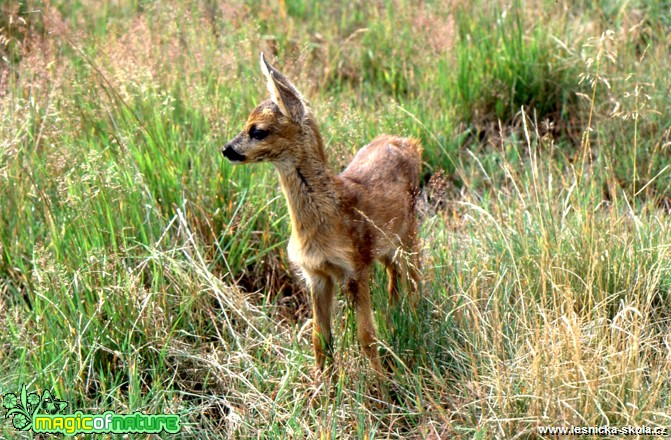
[{"x": 232, "y": 155}]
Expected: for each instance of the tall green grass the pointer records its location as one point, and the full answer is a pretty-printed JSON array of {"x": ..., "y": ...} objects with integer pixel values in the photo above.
[{"x": 140, "y": 271}]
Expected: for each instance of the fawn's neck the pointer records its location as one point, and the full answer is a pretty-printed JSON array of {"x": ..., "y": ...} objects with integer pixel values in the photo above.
[{"x": 309, "y": 187}]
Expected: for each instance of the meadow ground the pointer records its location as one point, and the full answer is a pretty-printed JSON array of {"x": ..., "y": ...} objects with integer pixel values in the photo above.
[{"x": 139, "y": 271}]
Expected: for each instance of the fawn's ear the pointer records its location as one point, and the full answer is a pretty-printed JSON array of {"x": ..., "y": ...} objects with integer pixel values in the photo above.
[{"x": 283, "y": 93}]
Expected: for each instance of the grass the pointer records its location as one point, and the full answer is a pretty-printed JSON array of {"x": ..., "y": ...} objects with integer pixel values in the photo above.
[{"x": 141, "y": 272}]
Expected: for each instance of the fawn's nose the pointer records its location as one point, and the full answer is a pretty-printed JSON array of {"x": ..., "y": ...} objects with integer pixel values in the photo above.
[{"x": 232, "y": 155}]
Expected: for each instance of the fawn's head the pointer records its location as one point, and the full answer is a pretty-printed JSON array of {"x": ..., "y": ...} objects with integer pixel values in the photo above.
[{"x": 279, "y": 129}]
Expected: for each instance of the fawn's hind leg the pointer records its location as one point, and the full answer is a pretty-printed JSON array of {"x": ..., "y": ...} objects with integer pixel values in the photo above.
[
  {"x": 403, "y": 265},
  {"x": 322, "y": 289},
  {"x": 392, "y": 278},
  {"x": 414, "y": 278},
  {"x": 411, "y": 261},
  {"x": 358, "y": 290}
]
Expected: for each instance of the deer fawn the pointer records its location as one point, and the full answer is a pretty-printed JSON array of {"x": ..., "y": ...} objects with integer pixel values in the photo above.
[{"x": 341, "y": 223}]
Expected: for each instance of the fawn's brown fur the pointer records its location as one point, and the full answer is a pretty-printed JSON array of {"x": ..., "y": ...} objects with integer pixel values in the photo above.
[{"x": 341, "y": 223}]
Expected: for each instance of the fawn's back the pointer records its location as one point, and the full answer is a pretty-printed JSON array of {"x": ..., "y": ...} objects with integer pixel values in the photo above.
[{"x": 380, "y": 187}]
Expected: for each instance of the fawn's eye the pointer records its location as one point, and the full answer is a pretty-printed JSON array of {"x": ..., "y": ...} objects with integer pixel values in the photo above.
[{"x": 257, "y": 133}]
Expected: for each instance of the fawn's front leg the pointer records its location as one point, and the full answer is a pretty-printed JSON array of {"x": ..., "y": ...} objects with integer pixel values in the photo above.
[{"x": 322, "y": 290}]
